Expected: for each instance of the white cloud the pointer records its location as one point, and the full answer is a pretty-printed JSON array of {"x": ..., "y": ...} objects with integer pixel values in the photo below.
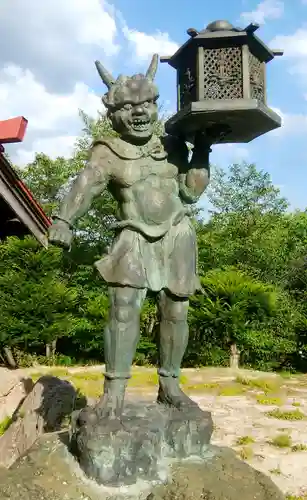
[
  {"x": 57, "y": 40},
  {"x": 265, "y": 10},
  {"x": 51, "y": 146},
  {"x": 295, "y": 49},
  {"x": 144, "y": 45},
  {"x": 295, "y": 45},
  {"x": 46, "y": 61},
  {"x": 226, "y": 154},
  {"x": 21, "y": 93},
  {"x": 53, "y": 118},
  {"x": 292, "y": 123}
]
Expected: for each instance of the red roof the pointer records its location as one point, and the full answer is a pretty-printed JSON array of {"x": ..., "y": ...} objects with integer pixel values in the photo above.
[
  {"x": 13, "y": 130},
  {"x": 13, "y": 191},
  {"x": 32, "y": 200}
]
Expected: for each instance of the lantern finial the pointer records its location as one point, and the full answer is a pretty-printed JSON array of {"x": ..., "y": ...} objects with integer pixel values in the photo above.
[{"x": 220, "y": 25}]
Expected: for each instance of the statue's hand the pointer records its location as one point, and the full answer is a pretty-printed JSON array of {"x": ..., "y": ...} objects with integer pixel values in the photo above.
[
  {"x": 60, "y": 234},
  {"x": 176, "y": 146},
  {"x": 203, "y": 142}
]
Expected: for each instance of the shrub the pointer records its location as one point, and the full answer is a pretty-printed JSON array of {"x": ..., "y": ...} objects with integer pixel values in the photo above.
[
  {"x": 282, "y": 441},
  {"x": 286, "y": 415},
  {"x": 5, "y": 424},
  {"x": 244, "y": 440}
]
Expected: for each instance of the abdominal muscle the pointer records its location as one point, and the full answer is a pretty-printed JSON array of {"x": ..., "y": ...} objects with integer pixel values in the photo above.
[{"x": 153, "y": 201}]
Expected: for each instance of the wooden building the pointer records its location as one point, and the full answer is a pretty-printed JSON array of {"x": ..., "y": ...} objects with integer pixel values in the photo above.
[{"x": 20, "y": 214}]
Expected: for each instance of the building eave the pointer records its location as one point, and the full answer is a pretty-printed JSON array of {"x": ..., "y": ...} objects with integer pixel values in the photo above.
[{"x": 19, "y": 198}]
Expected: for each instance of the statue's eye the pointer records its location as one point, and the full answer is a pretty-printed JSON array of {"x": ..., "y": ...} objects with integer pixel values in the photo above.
[
  {"x": 128, "y": 106},
  {"x": 146, "y": 104}
]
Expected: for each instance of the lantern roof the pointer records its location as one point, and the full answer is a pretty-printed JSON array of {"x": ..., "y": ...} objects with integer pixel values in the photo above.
[{"x": 221, "y": 32}]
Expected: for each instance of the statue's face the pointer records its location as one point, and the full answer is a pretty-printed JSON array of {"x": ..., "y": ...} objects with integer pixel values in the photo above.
[{"x": 136, "y": 111}]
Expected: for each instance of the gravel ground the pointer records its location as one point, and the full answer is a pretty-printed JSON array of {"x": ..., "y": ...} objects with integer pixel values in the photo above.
[{"x": 236, "y": 417}]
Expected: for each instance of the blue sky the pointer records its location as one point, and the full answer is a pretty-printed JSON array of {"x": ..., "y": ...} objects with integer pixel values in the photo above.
[
  {"x": 283, "y": 155},
  {"x": 54, "y": 75}
]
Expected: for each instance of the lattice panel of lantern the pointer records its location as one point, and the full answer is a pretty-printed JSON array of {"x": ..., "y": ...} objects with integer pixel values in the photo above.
[
  {"x": 187, "y": 85},
  {"x": 223, "y": 73},
  {"x": 257, "y": 79}
]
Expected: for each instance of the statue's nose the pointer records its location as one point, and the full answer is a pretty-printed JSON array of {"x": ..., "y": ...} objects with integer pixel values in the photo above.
[{"x": 138, "y": 110}]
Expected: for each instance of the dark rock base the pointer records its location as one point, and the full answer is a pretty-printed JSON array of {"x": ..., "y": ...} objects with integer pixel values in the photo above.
[
  {"x": 116, "y": 453},
  {"x": 48, "y": 472}
]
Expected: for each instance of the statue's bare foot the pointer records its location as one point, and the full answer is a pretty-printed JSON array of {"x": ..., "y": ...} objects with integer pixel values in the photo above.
[
  {"x": 170, "y": 394},
  {"x": 109, "y": 406},
  {"x": 87, "y": 416},
  {"x": 105, "y": 409}
]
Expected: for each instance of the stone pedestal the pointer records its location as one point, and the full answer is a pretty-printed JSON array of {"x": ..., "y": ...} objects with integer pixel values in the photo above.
[
  {"x": 120, "y": 452},
  {"x": 49, "y": 472}
]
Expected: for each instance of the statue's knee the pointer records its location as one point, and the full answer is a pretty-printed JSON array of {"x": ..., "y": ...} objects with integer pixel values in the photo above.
[
  {"x": 174, "y": 310},
  {"x": 125, "y": 313},
  {"x": 125, "y": 306}
]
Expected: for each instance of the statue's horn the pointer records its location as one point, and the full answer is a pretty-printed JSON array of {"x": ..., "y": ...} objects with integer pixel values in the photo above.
[
  {"x": 105, "y": 76},
  {"x": 151, "y": 72}
]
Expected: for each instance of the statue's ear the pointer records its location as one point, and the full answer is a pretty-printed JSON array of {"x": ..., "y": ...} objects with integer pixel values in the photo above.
[{"x": 105, "y": 101}]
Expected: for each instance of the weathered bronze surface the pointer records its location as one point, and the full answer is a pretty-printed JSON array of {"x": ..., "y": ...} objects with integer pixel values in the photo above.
[
  {"x": 117, "y": 452},
  {"x": 155, "y": 181},
  {"x": 221, "y": 83},
  {"x": 155, "y": 248}
]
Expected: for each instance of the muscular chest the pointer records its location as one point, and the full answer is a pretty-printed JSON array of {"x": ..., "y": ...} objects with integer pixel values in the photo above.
[{"x": 130, "y": 172}]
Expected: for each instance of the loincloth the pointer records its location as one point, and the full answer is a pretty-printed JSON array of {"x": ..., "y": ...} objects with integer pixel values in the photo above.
[{"x": 168, "y": 262}]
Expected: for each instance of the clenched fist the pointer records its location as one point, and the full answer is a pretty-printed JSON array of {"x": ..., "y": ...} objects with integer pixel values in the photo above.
[{"x": 60, "y": 234}]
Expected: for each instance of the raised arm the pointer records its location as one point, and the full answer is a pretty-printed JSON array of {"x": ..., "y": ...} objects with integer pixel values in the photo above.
[
  {"x": 90, "y": 182},
  {"x": 194, "y": 181}
]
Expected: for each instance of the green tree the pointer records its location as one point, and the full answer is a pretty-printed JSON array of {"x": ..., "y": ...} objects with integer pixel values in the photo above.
[
  {"x": 36, "y": 303},
  {"x": 248, "y": 226},
  {"x": 241, "y": 315},
  {"x": 242, "y": 188}
]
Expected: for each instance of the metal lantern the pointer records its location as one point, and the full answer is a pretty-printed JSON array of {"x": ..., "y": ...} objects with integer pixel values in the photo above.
[{"x": 221, "y": 85}]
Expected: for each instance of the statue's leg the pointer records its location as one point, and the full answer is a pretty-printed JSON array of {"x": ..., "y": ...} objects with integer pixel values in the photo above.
[
  {"x": 174, "y": 334},
  {"x": 120, "y": 341}
]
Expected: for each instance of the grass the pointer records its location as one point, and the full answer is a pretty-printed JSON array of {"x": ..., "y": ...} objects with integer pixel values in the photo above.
[
  {"x": 282, "y": 441},
  {"x": 293, "y": 497},
  {"x": 203, "y": 387},
  {"x": 150, "y": 379},
  {"x": 286, "y": 374},
  {"x": 220, "y": 389},
  {"x": 286, "y": 415},
  {"x": 4, "y": 425},
  {"x": 276, "y": 471},
  {"x": 264, "y": 384},
  {"x": 265, "y": 400},
  {"x": 231, "y": 390},
  {"x": 88, "y": 387},
  {"x": 299, "y": 447},
  {"x": 90, "y": 383},
  {"x": 244, "y": 440},
  {"x": 246, "y": 453},
  {"x": 56, "y": 372},
  {"x": 89, "y": 376}
]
